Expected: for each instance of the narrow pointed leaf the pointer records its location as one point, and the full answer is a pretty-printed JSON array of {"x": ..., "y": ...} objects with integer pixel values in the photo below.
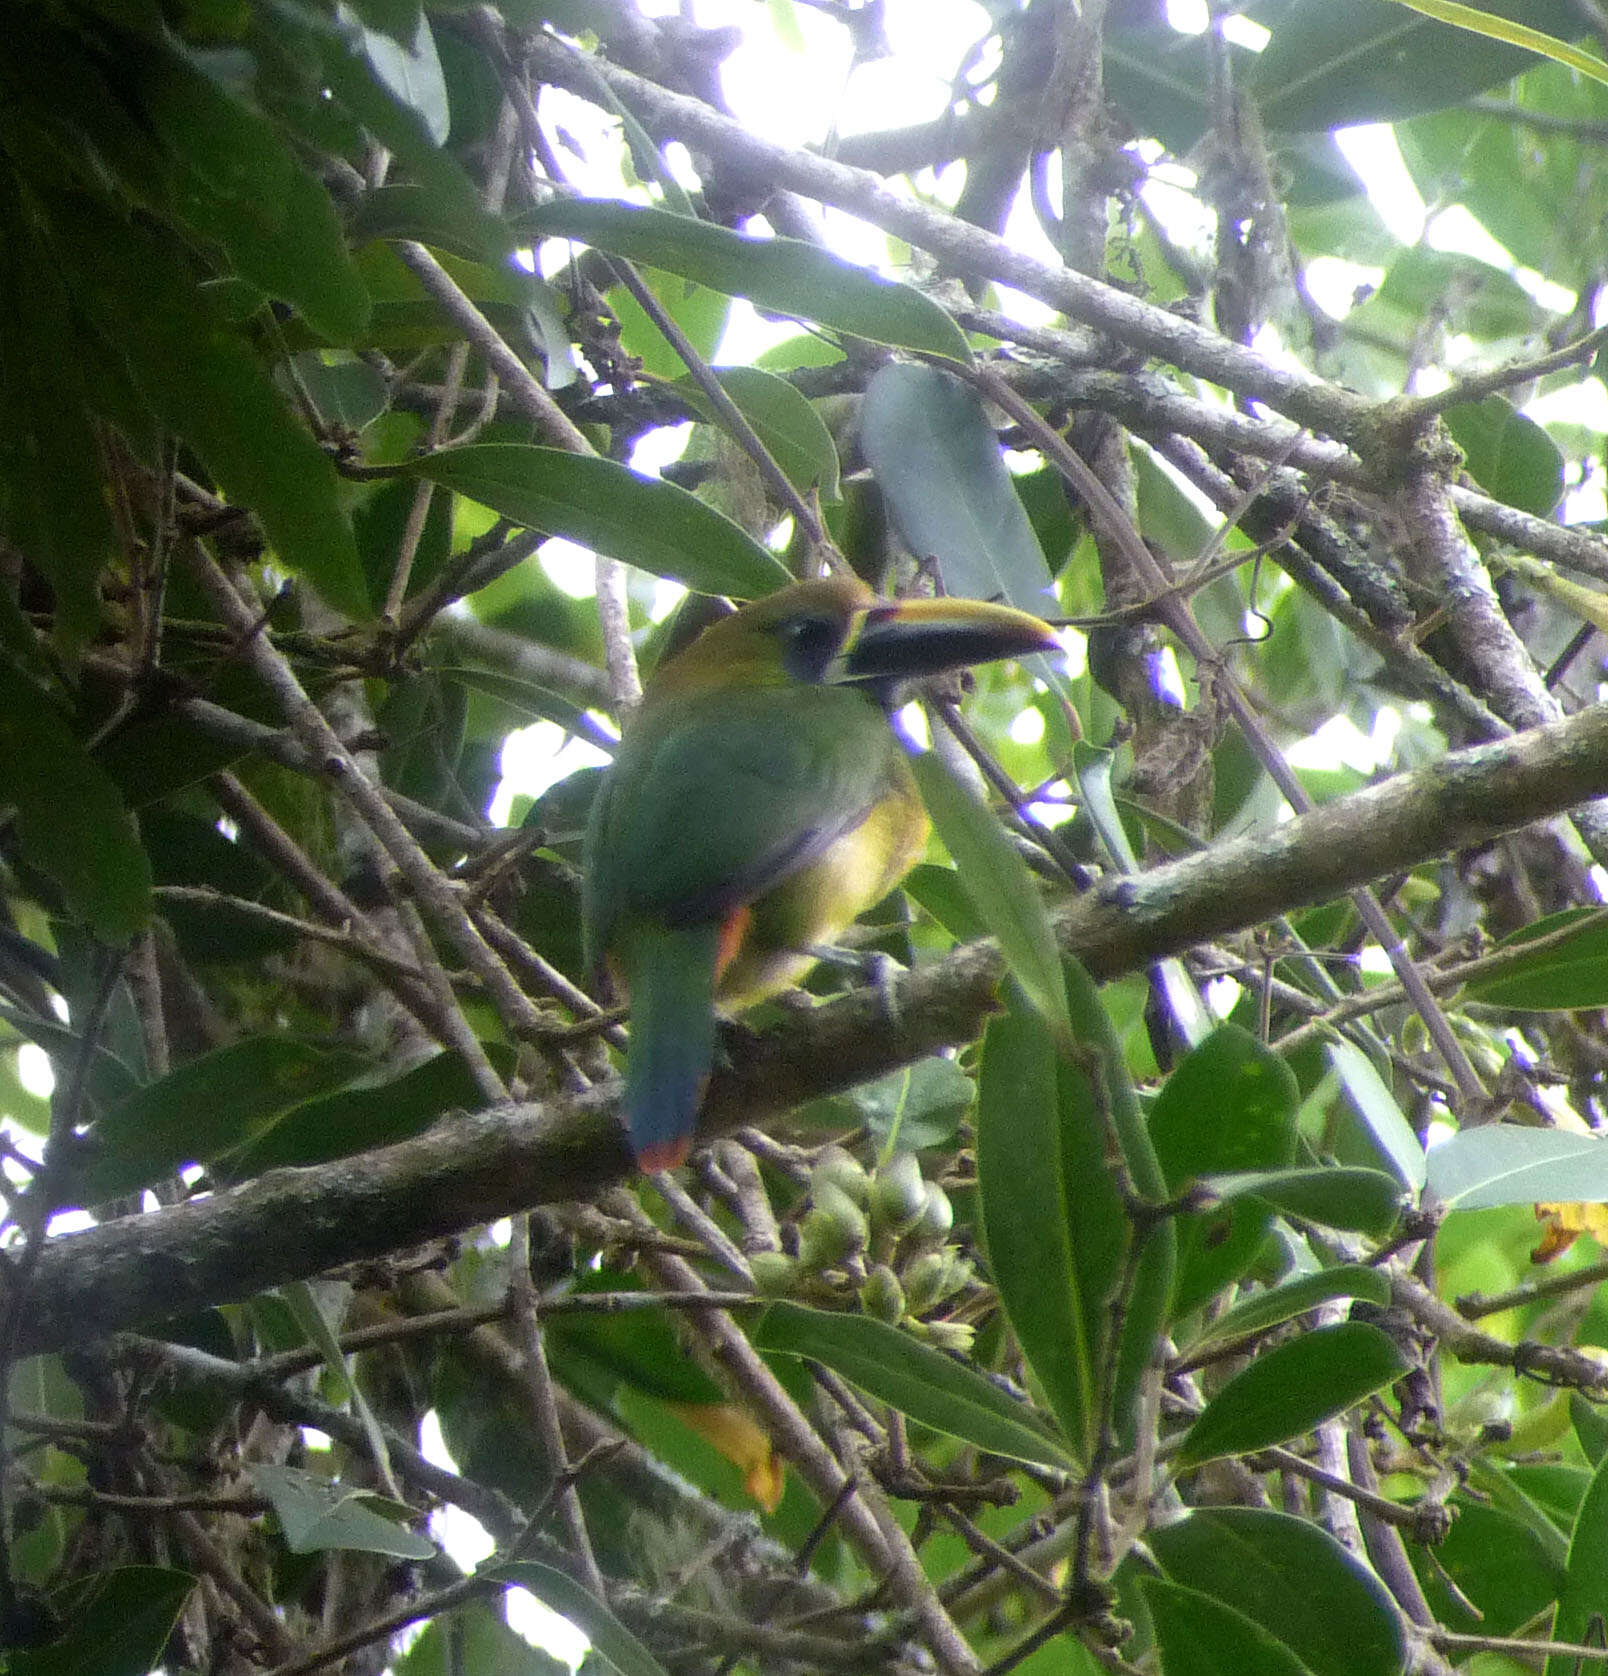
[
  {"x": 1367, "y": 1201},
  {"x": 1283, "y": 1303},
  {"x": 783, "y": 275},
  {"x": 613, "y": 1645},
  {"x": 1378, "y": 1112},
  {"x": 643, "y": 521},
  {"x": 999, "y": 884},
  {"x": 913, "y": 1378}
]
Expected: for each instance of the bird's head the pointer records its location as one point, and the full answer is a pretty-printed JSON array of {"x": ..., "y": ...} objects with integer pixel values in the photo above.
[{"x": 836, "y": 631}]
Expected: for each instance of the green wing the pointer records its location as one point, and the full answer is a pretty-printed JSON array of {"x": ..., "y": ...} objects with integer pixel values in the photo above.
[{"x": 717, "y": 797}]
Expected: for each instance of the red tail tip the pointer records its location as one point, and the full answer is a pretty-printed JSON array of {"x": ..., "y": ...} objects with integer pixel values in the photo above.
[{"x": 664, "y": 1155}]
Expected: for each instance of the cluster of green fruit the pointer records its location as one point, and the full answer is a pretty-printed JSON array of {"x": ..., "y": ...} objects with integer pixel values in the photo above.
[{"x": 880, "y": 1236}]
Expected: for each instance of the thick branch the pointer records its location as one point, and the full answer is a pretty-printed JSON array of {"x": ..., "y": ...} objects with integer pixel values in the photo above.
[{"x": 293, "y": 1223}]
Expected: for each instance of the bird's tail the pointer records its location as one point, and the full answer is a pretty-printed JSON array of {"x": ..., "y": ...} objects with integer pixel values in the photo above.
[{"x": 671, "y": 978}]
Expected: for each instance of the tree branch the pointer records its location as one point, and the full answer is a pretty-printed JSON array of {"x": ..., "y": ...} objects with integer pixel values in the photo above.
[{"x": 293, "y": 1223}]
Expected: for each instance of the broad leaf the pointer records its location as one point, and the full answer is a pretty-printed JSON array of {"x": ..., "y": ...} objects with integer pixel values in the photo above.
[
  {"x": 1055, "y": 1223},
  {"x": 116, "y": 1624},
  {"x": 1368, "y": 1201},
  {"x": 1570, "y": 973},
  {"x": 1228, "y": 1105},
  {"x": 315, "y": 1513},
  {"x": 1500, "y": 1164},
  {"x": 1376, "y": 1108},
  {"x": 1584, "y": 1600},
  {"x": 1508, "y": 454},
  {"x": 1372, "y": 61},
  {"x": 1273, "y": 1568},
  {"x": 937, "y": 461},
  {"x": 204, "y": 1108},
  {"x": 793, "y": 433},
  {"x": 1200, "y": 1636},
  {"x": 1291, "y": 1388},
  {"x": 204, "y": 383}
]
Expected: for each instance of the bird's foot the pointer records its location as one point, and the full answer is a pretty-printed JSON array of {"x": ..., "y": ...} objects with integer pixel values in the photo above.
[{"x": 877, "y": 970}]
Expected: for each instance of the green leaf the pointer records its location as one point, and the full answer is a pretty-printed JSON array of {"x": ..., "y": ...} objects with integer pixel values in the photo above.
[
  {"x": 1500, "y": 1164},
  {"x": 1295, "y": 1297},
  {"x": 937, "y": 461},
  {"x": 205, "y": 384},
  {"x": 637, "y": 1347},
  {"x": 1371, "y": 61},
  {"x": 204, "y": 1108},
  {"x": 793, "y": 433},
  {"x": 919, "y": 1105},
  {"x": 315, "y": 1514},
  {"x": 1200, "y": 1636},
  {"x": 411, "y": 74},
  {"x": 1051, "y": 1255},
  {"x": 784, "y": 275},
  {"x": 913, "y": 1379},
  {"x": 613, "y": 1644},
  {"x": 446, "y": 194},
  {"x": 1584, "y": 1599},
  {"x": 348, "y": 394},
  {"x": 53, "y": 504},
  {"x": 1272, "y": 1568},
  {"x": 70, "y": 818},
  {"x": 1229, "y": 1104},
  {"x": 1291, "y": 1388},
  {"x": 1497, "y": 1565},
  {"x": 301, "y": 1298},
  {"x": 998, "y": 882},
  {"x": 476, "y": 1638},
  {"x": 1376, "y": 1108},
  {"x": 1508, "y": 454},
  {"x": 1054, "y": 1222},
  {"x": 612, "y": 509},
  {"x": 1338, "y": 1196},
  {"x": 240, "y": 185},
  {"x": 1571, "y": 974},
  {"x": 118, "y": 1623},
  {"x": 1591, "y": 1427}
]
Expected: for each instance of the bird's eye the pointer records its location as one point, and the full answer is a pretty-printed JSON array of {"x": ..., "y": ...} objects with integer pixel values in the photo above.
[{"x": 808, "y": 645}]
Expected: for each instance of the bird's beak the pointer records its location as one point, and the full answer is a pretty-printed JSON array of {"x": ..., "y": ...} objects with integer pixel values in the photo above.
[{"x": 905, "y": 640}]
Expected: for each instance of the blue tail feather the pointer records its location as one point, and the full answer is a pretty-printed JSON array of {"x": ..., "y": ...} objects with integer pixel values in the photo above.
[{"x": 671, "y": 978}]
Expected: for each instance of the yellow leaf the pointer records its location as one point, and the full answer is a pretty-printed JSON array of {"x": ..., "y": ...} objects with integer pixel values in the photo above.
[{"x": 743, "y": 1443}]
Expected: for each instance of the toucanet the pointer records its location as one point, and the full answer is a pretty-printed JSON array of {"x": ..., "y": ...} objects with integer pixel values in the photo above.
[{"x": 758, "y": 803}]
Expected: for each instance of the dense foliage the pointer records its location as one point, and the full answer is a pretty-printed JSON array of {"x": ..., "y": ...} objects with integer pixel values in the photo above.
[{"x": 1132, "y": 1268}]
